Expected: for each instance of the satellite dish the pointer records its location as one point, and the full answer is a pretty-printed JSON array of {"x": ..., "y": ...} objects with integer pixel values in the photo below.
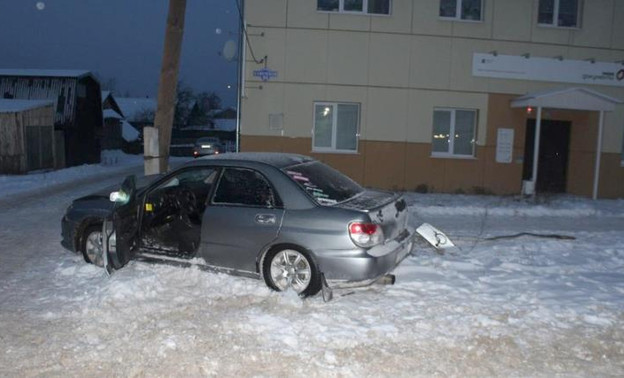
[{"x": 229, "y": 50}]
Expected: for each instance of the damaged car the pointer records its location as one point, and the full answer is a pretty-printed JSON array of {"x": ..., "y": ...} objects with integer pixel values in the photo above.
[{"x": 287, "y": 219}]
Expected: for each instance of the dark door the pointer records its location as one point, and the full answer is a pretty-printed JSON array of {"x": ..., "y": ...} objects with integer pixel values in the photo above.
[
  {"x": 120, "y": 231},
  {"x": 552, "y": 166},
  {"x": 244, "y": 216},
  {"x": 173, "y": 211}
]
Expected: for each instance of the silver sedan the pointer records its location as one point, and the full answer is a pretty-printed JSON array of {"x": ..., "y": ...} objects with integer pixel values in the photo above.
[{"x": 288, "y": 219}]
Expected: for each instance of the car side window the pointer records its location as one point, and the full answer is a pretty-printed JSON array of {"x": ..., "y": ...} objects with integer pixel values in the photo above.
[
  {"x": 246, "y": 187},
  {"x": 198, "y": 181}
]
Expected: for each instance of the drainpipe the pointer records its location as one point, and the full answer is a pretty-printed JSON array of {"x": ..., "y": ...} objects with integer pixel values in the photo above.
[
  {"x": 536, "y": 144},
  {"x": 598, "y": 153}
]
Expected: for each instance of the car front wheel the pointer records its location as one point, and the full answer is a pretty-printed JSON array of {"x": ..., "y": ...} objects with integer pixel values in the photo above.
[
  {"x": 92, "y": 248},
  {"x": 291, "y": 269}
]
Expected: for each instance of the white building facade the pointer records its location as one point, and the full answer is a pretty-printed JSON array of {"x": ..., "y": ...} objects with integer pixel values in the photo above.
[{"x": 428, "y": 95}]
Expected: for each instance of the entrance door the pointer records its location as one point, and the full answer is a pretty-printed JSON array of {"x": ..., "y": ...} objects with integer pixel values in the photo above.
[{"x": 552, "y": 166}]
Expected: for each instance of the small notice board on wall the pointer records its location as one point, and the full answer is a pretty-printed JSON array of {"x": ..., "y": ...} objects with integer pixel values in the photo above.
[{"x": 504, "y": 145}]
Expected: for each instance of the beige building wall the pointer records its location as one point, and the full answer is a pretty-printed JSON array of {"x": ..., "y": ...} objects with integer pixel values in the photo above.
[{"x": 400, "y": 67}]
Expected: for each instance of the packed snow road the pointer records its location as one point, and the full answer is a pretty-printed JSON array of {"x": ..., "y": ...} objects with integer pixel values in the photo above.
[{"x": 513, "y": 306}]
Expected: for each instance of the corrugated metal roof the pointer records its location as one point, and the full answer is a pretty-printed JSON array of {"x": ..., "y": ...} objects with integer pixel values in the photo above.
[
  {"x": 43, "y": 72},
  {"x": 15, "y": 106}
]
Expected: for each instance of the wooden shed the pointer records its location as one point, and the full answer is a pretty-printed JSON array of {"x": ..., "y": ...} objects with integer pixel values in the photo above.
[
  {"x": 27, "y": 141},
  {"x": 76, "y": 96}
]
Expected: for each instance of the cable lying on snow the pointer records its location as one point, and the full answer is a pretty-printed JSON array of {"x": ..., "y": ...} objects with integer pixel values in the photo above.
[{"x": 551, "y": 236}]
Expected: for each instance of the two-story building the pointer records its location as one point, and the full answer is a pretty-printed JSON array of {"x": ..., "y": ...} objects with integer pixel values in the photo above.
[{"x": 442, "y": 95}]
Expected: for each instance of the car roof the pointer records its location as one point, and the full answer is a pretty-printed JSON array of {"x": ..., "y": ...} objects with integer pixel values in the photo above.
[{"x": 276, "y": 159}]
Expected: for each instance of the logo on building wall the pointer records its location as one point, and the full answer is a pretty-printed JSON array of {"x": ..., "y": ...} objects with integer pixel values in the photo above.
[
  {"x": 265, "y": 74},
  {"x": 547, "y": 69}
]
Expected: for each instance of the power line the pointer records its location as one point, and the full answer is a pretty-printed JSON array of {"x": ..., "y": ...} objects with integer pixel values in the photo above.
[{"x": 244, "y": 27}]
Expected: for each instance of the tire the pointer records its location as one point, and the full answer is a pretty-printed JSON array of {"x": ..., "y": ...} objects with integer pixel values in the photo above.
[
  {"x": 291, "y": 268},
  {"x": 92, "y": 248}
]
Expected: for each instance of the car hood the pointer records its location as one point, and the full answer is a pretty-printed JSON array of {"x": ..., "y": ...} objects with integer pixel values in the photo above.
[{"x": 104, "y": 193}]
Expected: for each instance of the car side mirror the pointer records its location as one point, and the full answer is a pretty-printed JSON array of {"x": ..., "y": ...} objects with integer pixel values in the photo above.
[
  {"x": 119, "y": 197},
  {"x": 123, "y": 196}
]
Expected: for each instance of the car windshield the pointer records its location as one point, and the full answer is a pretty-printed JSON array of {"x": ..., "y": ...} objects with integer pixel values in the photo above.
[{"x": 326, "y": 185}]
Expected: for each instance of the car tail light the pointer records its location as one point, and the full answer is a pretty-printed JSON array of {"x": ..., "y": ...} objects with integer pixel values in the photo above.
[{"x": 365, "y": 234}]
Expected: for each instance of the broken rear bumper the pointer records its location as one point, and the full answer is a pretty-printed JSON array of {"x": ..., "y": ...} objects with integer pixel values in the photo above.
[{"x": 368, "y": 266}]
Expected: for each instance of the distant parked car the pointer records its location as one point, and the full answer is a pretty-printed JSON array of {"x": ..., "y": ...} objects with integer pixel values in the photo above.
[
  {"x": 207, "y": 146},
  {"x": 288, "y": 219}
]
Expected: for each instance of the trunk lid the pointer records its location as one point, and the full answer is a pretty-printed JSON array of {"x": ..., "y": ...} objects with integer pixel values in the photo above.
[{"x": 384, "y": 208}]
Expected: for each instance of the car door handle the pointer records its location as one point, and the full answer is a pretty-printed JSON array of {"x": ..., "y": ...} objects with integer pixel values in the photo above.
[{"x": 265, "y": 218}]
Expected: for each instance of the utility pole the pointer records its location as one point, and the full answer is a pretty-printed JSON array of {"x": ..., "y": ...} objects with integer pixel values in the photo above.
[{"x": 157, "y": 142}]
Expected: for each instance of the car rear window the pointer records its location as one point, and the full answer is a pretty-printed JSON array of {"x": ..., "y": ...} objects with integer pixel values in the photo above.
[{"x": 326, "y": 185}]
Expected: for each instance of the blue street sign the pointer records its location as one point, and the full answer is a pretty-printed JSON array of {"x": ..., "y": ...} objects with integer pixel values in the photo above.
[{"x": 265, "y": 74}]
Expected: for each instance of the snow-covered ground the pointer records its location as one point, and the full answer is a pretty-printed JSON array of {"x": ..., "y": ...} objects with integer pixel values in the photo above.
[{"x": 523, "y": 306}]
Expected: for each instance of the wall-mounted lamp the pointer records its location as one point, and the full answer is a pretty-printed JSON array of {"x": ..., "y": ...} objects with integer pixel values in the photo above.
[
  {"x": 526, "y": 55},
  {"x": 558, "y": 57},
  {"x": 529, "y": 110},
  {"x": 494, "y": 52},
  {"x": 591, "y": 60}
]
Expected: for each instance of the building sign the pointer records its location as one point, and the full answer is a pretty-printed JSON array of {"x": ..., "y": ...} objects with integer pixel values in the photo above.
[
  {"x": 265, "y": 74},
  {"x": 504, "y": 145},
  {"x": 548, "y": 69}
]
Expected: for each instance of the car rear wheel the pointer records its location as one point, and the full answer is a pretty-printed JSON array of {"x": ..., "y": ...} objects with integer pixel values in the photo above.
[
  {"x": 92, "y": 247},
  {"x": 291, "y": 269}
]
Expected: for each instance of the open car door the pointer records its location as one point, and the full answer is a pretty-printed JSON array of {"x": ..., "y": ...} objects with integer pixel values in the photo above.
[{"x": 121, "y": 228}]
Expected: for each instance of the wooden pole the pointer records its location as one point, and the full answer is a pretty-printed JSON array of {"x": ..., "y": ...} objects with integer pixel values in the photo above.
[{"x": 167, "y": 86}]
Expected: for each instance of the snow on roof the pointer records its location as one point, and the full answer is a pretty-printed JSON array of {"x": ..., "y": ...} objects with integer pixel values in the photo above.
[
  {"x": 43, "y": 72},
  {"x": 14, "y": 106},
  {"x": 224, "y": 124},
  {"x": 105, "y": 94},
  {"x": 134, "y": 107},
  {"x": 128, "y": 132},
  {"x": 110, "y": 113}
]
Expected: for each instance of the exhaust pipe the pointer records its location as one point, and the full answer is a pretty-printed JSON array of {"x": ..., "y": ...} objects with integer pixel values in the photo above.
[{"x": 388, "y": 279}]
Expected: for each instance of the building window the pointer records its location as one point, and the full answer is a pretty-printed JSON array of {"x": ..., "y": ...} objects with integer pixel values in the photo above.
[
  {"x": 336, "y": 127},
  {"x": 454, "y": 132},
  {"x": 354, "y": 6},
  {"x": 561, "y": 13},
  {"x": 469, "y": 10}
]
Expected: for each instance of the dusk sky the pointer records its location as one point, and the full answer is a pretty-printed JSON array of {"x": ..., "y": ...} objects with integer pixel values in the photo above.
[{"x": 121, "y": 40}]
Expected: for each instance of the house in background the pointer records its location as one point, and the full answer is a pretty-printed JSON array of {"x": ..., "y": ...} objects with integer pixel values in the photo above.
[
  {"x": 138, "y": 111},
  {"x": 27, "y": 140},
  {"x": 77, "y": 107},
  {"x": 442, "y": 95},
  {"x": 109, "y": 102},
  {"x": 224, "y": 119},
  {"x": 118, "y": 133}
]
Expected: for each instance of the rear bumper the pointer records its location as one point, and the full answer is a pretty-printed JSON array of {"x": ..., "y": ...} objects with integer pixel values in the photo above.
[{"x": 364, "y": 267}]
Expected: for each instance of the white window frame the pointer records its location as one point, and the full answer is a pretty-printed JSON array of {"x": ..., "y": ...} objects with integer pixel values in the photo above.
[
  {"x": 363, "y": 12},
  {"x": 458, "y": 8},
  {"x": 451, "y": 143},
  {"x": 333, "y": 148},
  {"x": 554, "y": 22}
]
